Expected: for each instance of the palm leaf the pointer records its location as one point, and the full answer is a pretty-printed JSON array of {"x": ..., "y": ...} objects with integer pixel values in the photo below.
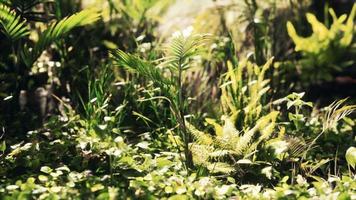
[
  {"x": 14, "y": 27},
  {"x": 58, "y": 30},
  {"x": 143, "y": 68},
  {"x": 183, "y": 47}
]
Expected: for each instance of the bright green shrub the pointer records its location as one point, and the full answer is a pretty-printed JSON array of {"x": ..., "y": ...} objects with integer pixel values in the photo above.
[{"x": 324, "y": 51}]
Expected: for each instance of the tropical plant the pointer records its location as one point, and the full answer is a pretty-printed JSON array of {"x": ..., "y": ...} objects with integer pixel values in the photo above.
[
  {"x": 13, "y": 26},
  {"x": 182, "y": 47},
  {"x": 324, "y": 51},
  {"x": 248, "y": 124},
  {"x": 24, "y": 53}
]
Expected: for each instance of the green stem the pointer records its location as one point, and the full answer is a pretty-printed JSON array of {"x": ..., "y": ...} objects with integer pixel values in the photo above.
[{"x": 183, "y": 128}]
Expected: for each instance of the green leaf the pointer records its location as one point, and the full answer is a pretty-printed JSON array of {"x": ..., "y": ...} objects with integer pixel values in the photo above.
[
  {"x": 58, "y": 30},
  {"x": 143, "y": 68},
  {"x": 3, "y": 146},
  {"x": 267, "y": 171},
  {"x": 182, "y": 48},
  {"x": 244, "y": 161},
  {"x": 178, "y": 197},
  {"x": 168, "y": 189},
  {"x": 43, "y": 178},
  {"x": 163, "y": 162},
  {"x": 180, "y": 189},
  {"x": 13, "y": 25},
  {"x": 46, "y": 169},
  {"x": 143, "y": 145},
  {"x": 97, "y": 187},
  {"x": 351, "y": 156}
]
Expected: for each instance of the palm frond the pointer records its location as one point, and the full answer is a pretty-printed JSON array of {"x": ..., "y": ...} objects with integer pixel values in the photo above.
[
  {"x": 141, "y": 67},
  {"x": 181, "y": 48},
  {"x": 57, "y": 30},
  {"x": 14, "y": 27}
]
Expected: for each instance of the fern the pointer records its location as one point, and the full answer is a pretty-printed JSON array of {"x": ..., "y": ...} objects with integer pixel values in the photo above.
[
  {"x": 246, "y": 143},
  {"x": 243, "y": 89},
  {"x": 229, "y": 133},
  {"x": 14, "y": 27},
  {"x": 266, "y": 126},
  {"x": 201, "y": 154},
  {"x": 201, "y": 137},
  {"x": 230, "y": 144},
  {"x": 242, "y": 94},
  {"x": 220, "y": 167}
]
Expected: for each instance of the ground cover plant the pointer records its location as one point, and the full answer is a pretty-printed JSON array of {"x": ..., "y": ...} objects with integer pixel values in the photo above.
[{"x": 106, "y": 99}]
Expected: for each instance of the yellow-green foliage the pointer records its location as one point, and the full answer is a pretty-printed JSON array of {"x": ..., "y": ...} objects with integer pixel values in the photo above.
[
  {"x": 326, "y": 46},
  {"x": 241, "y": 101},
  {"x": 134, "y": 9},
  {"x": 322, "y": 37},
  {"x": 211, "y": 151},
  {"x": 14, "y": 27},
  {"x": 243, "y": 89}
]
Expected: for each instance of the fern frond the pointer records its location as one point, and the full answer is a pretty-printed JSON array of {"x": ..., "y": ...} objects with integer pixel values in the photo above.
[
  {"x": 201, "y": 154},
  {"x": 14, "y": 27},
  {"x": 266, "y": 130},
  {"x": 218, "y": 128},
  {"x": 244, "y": 141},
  {"x": 220, "y": 167},
  {"x": 333, "y": 115},
  {"x": 219, "y": 153},
  {"x": 57, "y": 30},
  {"x": 265, "y": 125},
  {"x": 230, "y": 135},
  {"x": 200, "y": 137}
]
